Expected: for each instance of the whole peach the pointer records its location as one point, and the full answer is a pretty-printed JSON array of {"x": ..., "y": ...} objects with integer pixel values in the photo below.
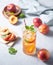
[
  {"x": 11, "y": 7},
  {"x": 44, "y": 29},
  {"x": 37, "y": 22},
  {"x": 43, "y": 54}
]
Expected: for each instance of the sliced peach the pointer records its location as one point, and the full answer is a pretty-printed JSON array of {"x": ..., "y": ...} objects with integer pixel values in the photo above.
[
  {"x": 31, "y": 48},
  {"x": 4, "y": 31},
  {"x": 7, "y": 37},
  {"x": 13, "y": 19},
  {"x": 12, "y": 37}
]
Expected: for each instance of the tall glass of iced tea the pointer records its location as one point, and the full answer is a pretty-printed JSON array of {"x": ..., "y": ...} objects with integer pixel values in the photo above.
[{"x": 29, "y": 41}]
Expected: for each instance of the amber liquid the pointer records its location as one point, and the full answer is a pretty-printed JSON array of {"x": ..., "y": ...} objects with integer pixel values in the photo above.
[{"x": 29, "y": 45}]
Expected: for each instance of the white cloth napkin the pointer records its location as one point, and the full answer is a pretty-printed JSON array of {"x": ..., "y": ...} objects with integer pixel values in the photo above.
[{"x": 35, "y": 8}]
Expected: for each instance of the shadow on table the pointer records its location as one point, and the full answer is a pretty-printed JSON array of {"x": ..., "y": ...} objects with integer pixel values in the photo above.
[
  {"x": 50, "y": 61},
  {"x": 18, "y": 23},
  {"x": 50, "y": 34},
  {"x": 17, "y": 41},
  {"x": 35, "y": 55}
]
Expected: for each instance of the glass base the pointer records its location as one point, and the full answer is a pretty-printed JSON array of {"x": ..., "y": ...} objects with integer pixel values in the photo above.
[{"x": 31, "y": 54}]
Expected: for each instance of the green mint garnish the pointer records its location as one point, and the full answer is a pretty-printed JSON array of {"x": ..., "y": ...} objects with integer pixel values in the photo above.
[
  {"x": 12, "y": 50},
  {"x": 31, "y": 28},
  {"x": 22, "y": 15},
  {"x": 27, "y": 27}
]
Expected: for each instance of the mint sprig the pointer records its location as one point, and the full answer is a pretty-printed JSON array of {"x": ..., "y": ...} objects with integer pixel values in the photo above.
[
  {"x": 31, "y": 28},
  {"x": 22, "y": 15},
  {"x": 12, "y": 50},
  {"x": 27, "y": 27}
]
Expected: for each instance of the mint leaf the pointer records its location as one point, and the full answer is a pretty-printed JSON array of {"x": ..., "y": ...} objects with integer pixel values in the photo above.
[
  {"x": 12, "y": 50},
  {"x": 27, "y": 27},
  {"x": 22, "y": 15},
  {"x": 31, "y": 28}
]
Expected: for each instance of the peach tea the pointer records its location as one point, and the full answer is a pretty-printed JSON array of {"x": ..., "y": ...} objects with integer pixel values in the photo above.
[{"x": 29, "y": 41}]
